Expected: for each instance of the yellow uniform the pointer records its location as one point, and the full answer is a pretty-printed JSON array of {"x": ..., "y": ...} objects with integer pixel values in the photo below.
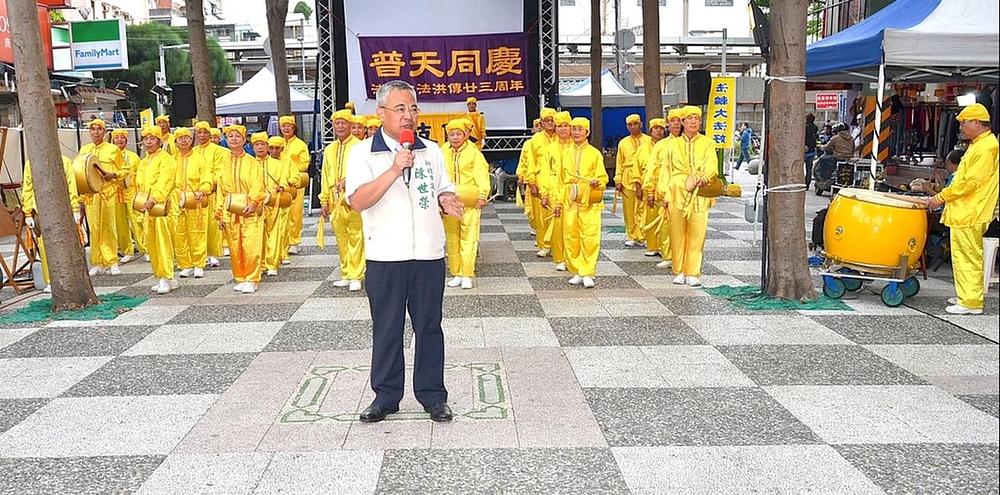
[
  {"x": 277, "y": 173},
  {"x": 970, "y": 202},
  {"x": 532, "y": 168},
  {"x": 552, "y": 189},
  {"x": 297, "y": 153},
  {"x": 123, "y": 202},
  {"x": 190, "y": 242},
  {"x": 215, "y": 156},
  {"x": 521, "y": 172},
  {"x": 131, "y": 162},
  {"x": 101, "y": 207},
  {"x": 245, "y": 234},
  {"x": 582, "y": 223},
  {"x": 157, "y": 176},
  {"x": 478, "y": 131},
  {"x": 628, "y": 175},
  {"x": 29, "y": 204},
  {"x": 657, "y": 218},
  {"x": 346, "y": 221},
  {"x": 465, "y": 166},
  {"x": 688, "y": 211}
]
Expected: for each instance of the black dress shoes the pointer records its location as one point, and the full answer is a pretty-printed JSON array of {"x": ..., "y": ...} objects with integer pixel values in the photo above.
[
  {"x": 439, "y": 412},
  {"x": 375, "y": 413}
]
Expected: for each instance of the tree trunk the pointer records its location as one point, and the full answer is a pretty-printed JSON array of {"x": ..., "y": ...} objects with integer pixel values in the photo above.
[
  {"x": 277, "y": 10},
  {"x": 201, "y": 66},
  {"x": 71, "y": 288},
  {"x": 788, "y": 269},
  {"x": 651, "y": 59},
  {"x": 595, "y": 75}
]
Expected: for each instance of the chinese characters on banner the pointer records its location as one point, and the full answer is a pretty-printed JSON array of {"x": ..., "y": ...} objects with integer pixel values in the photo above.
[
  {"x": 449, "y": 68},
  {"x": 722, "y": 111}
]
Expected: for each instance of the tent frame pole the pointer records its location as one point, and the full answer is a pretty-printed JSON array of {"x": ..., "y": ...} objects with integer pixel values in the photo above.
[{"x": 878, "y": 122}]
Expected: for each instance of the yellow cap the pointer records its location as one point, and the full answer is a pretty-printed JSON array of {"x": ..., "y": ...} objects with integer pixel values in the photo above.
[
  {"x": 215, "y": 131},
  {"x": 286, "y": 119},
  {"x": 360, "y": 119},
  {"x": 562, "y": 118},
  {"x": 688, "y": 111},
  {"x": 674, "y": 113},
  {"x": 581, "y": 122},
  {"x": 235, "y": 127},
  {"x": 975, "y": 111},
  {"x": 633, "y": 118},
  {"x": 276, "y": 141},
  {"x": 152, "y": 130},
  {"x": 657, "y": 122},
  {"x": 258, "y": 137},
  {"x": 349, "y": 105},
  {"x": 119, "y": 132},
  {"x": 536, "y": 122},
  {"x": 162, "y": 118},
  {"x": 182, "y": 131},
  {"x": 457, "y": 124},
  {"x": 547, "y": 113},
  {"x": 344, "y": 114},
  {"x": 471, "y": 99},
  {"x": 98, "y": 122},
  {"x": 202, "y": 125},
  {"x": 373, "y": 122}
]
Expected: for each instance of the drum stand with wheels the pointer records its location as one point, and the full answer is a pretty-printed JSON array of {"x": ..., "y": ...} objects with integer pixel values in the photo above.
[{"x": 840, "y": 278}]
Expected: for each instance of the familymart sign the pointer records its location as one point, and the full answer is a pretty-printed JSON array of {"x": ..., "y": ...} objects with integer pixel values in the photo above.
[{"x": 99, "y": 45}]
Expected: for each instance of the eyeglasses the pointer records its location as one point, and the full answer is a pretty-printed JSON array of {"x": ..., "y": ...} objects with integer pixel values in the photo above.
[{"x": 400, "y": 109}]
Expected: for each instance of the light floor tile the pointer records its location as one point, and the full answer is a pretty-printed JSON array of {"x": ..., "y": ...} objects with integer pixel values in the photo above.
[
  {"x": 208, "y": 338},
  {"x": 44, "y": 377}
]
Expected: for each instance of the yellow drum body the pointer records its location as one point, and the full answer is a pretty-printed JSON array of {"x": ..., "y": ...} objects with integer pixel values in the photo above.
[
  {"x": 713, "y": 189},
  {"x": 869, "y": 230},
  {"x": 468, "y": 195},
  {"x": 581, "y": 193},
  {"x": 284, "y": 199},
  {"x": 281, "y": 199},
  {"x": 158, "y": 209},
  {"x": 89, "y": 179},
  {"x": 188, "y": 201},
  {"x": 303, "y": 180},
  {"x": 236, "y": 203}
]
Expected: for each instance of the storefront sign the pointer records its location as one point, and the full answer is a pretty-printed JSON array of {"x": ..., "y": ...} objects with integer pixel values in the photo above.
[
  {"x": 722, "y": 111},
  {"x": 99, "y": 45},
  {"x": 827, "y": 101}
]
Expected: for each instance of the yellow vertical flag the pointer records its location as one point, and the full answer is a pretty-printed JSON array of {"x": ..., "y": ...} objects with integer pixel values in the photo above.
[
  {"x": 146, "y": 117},
  {"x": 721, "y": 122}
]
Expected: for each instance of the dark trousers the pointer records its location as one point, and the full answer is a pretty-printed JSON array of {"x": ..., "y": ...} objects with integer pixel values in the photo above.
[
  {"x": 744, "y": 157},
  {"x": 393, "y": 289},
  {"x": 809, "y": 157}
]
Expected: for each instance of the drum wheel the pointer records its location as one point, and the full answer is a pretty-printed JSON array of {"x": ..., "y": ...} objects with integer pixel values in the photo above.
[
  {"x": 852, "y": 284},
  {"x": 892, "y": 295},
  {"x": 910, "y": 286},
  {"x": 834, "y": 287}
]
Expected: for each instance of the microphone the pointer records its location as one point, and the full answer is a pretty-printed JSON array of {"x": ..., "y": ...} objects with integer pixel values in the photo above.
[{"x": 406, "y": 140}]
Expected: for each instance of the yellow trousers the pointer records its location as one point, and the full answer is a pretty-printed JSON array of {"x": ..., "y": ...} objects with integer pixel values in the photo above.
[
  {"x": 967, "y": 264},
  {"x": 687, "y": 241},
  {"x": 633, "y": 231},
  {"x": 541, "y": 222},
  {"x": 275, "y": 236},
  {"x": 295, "y": 218},
  {"x": 529, "y": 212},
  {"x": 45, "y": 261},
  {"x": 651, "y": 233},
  {"x": 135, "y": 222},
  {"x": 462, "y": 242},
  {"x": 161, "y": 247},
  {"x": 350, "y": 242},
  {"x": 214, "y": 238},
  {"x": 122, "y": 228},
  {"x": 191, "y": 243},
  {"x": 582, "y": 235},
  {"x": 663, "y": 235},
  {"x": 246, "y": 247},
  {"x": 103, "y": 232},
  {"x": 557, "y": 241}
]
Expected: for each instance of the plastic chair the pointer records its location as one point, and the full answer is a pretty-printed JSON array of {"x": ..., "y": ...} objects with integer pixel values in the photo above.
[{"x": 989, "y": 261}]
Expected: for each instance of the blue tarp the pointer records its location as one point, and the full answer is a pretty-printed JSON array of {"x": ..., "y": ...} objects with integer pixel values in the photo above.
[{"x": 860, "y": 46}]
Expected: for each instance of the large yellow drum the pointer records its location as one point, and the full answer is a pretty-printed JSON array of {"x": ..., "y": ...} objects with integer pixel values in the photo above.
[
  {"x": 468, "y": 195},
  {"x": 237, "y": 202},
  {"x": 581, "y": 193},
  {"x": 187, "y": 200},
  {"x": 158, "y": 209},
  {"x": 89, "y": 179},
  {"x": 871, "y": 231},
  {"x": 281, "y": 199}
]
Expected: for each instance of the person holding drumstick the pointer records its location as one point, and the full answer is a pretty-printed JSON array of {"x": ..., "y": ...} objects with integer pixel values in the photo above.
[
  {"x": 346, "y": 222},
  {"x": 628, "y": 175},
  {"x": 654, "y": 188},
  {"x": 241, "y": 179},
  {"x": 277, "y": 178},
  {"x": 652, "y": 218},
  {"x": 157, "y": 176},
  {"x": 552, "y": 190},
  {"x": 583, "y": 166},
  {"x": 194, "y": 177},
  {"x": 466, "y": 166}
]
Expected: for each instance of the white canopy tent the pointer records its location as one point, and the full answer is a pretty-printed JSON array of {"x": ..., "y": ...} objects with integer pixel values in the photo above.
[
  {"x": 612, "y": 94},
  {"x": 257, "y": 95}
]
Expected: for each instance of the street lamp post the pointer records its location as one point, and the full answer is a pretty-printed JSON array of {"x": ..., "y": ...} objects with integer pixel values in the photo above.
[{"x": 163, "y": 70}]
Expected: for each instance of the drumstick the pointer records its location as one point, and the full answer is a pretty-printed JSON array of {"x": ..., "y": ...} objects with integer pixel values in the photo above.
[{"x": 909, "y": 199}]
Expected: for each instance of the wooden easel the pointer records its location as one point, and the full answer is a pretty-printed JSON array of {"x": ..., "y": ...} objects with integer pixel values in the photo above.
[{"x": 12, "y": 224}]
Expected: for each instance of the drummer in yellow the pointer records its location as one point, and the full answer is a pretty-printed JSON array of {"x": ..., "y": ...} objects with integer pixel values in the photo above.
[
  {"x": 651, "y": 219},
  {"x": 101, "y": 206},
  {"x": 692, "y": 155},
  {"x": 359, "y": 127},
  {"x": 242, "y": 177},
  {"x": 128, "y": 221},
  {"x": 275, "y": 148},
  {"x": 582, "y": 165},
  {"x": 217, "y": 137},
  {"x": 652, "y": 191},
  {"x": 277, "y": 178},
  {"x": 297, "y": 153},
  {"x": 552, "y": 190},
  {"x": 373, "y": 124},
  {"x": 214, "y": 156},
  {"x": 163, "y": 122},
  {"x": 157, "y": 176},
  {"x": 970, "y": 202},
  {"x": 29, "y": 205},
  {"x": 467, "y": 169},
  {"x": 346, "y": 222},
  {"x": 522, "y": 170},
  {"x": 628, "y": 178},
  {"x": 194, "y": 177},
  {"x": 536, "y": 147},
  {"x": 478, "y": 133}
]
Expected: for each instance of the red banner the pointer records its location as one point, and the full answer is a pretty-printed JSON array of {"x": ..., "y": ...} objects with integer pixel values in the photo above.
[{"x": 6, "y": 44}]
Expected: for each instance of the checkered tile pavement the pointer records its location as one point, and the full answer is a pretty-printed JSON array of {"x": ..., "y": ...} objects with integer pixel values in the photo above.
[{"x": 635, "y": 386}]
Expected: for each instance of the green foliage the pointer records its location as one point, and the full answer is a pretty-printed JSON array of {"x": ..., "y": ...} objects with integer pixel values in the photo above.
[
  {"x": 57, "y": 17},
  {"x": 304, "y": 9},
  {"x": 144, "y": 41},
  {"x": 814, "y": 22}
]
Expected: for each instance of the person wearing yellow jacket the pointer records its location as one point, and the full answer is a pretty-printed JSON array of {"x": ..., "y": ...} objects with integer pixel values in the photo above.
[
  {"x": 532, "y": 166},
  {"x": 100, "y": 207},
  {"x": 194, "y": 177},
  {"x": 691, "y": 155},
  {"x": 277, "y": 179},
  {"x": 169, "y": 144},
  {"x": 970, "y": 201},
  {"x": 655, "y": 166},
  {"x": 275, "y": 148},
  {"x": 157, "y": 176},
  {"x": 373, "y": 124},
  {"x": 521, "y": 173},
  {"x": 297, "y": 153},
  {"x": 128, "y": 221},
  {"x": 217, "y": 138},
  {"x": 582, "y": 165},
  {"x": 550, "y": 187},
  {"x": 346, "y": 221},
  {"x": 628, "y": 178},
  {"x": 29, "y": 205},
  {"x": 652, "y": 216},
  {"x": 478, "y": 133},
  {"x": 242, "y": 176},
  {"x": 214, "y": 156},
  {"x": 467, "y": 168},
  {"x": 359, "y": 126}
]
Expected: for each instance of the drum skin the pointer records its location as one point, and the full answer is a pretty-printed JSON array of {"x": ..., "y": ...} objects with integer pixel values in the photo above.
[
  {"x": 158, "y": 209},
  {"x": 581, "y": 193},
  {"x": 236, "y": 203},
  {"x": 188, "y": 201},
  {"x": 88, "y": 178},
  {"x": 871, "y": 230}
]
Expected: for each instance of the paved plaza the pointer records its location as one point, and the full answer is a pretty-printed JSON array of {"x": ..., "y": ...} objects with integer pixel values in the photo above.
[{"x": 636, "y": 386}]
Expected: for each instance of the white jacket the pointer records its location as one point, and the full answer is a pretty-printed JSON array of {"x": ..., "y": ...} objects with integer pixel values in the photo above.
[{"x": 405, "y": 224}]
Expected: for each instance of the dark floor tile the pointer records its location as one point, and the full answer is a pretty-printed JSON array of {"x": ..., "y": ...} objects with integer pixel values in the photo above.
[
  {"x": 328, "y": 336},
  {"x": 692, "y": 305},
  {"x": 927, "y": 468},
  {"x": 13, "y": 411},
  {"x": 182, "y": 290},
  {"x": 626, "y": 331},
  {"x": 491, "y": 228},
  {"x": 471, "y": 306},
  {"x": 313, "y": 274},
  {"x": 499, "y": 270},
  {"x": 326, "y": 289},
  {"x": 989, "y": 404},
  {"x": 76, "y": 475},
  {"x": 118, "y": 280},
  {"x": 175, "y": 374},
  {"x": 560, "y": 283},
  {"x": 236, "y": 313},
  {"x": 872, "y": 329},
  {"x": 76, "y": 341},
  {"x": 816, "y": 365}
]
